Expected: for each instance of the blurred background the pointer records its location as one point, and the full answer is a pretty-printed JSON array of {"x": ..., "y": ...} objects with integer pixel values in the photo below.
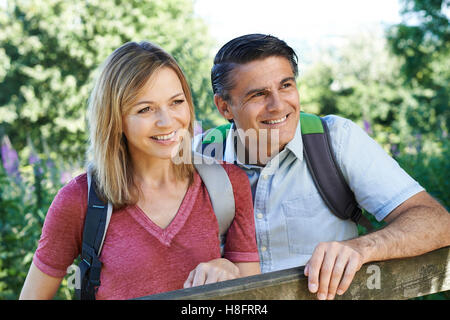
[{"x": 383, "y": 64}]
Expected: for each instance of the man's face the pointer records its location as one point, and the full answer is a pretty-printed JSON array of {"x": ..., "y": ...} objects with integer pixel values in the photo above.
[{"x": 264, "y": 96}]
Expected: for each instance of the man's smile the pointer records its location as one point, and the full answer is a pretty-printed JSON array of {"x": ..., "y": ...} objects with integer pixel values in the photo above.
[{"x": 276, "y": 121}]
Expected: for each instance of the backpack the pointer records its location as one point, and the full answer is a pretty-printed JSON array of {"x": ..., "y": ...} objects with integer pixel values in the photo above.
[
  {"x": 98, "y": 215},
  {"x": 320, "y": 161}
]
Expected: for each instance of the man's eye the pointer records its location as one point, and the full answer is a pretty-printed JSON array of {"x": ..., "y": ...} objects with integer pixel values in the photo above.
[
  {"x": 286, "y": 85},
  {"x": 259, "y": 94}
]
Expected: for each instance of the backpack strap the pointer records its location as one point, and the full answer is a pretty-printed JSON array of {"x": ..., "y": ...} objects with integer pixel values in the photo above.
[
  {"x": 324, "y": 170},
  {"x": 98, "y": 215},
  {"x": 220, "y": 192},
  {"x": 213, "y": 142}
]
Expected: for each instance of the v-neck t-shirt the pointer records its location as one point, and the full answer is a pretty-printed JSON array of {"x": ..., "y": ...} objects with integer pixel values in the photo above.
[{"x": 140, "y": 258}]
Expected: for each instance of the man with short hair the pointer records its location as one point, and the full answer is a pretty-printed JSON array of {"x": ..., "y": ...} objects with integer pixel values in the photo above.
[{"x": 254, "y": 86}]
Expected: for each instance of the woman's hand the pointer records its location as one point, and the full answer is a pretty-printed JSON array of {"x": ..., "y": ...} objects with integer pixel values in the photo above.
[{"x": 212, "y": 271}]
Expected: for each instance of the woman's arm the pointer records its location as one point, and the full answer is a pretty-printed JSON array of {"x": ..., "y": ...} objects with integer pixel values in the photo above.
[
  {"x": 39, "y": 286},
  {"x": 60, "y": 241}
]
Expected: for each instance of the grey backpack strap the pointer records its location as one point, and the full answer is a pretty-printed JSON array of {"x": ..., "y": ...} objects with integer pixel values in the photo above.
[{"x": 219, "y": 189}]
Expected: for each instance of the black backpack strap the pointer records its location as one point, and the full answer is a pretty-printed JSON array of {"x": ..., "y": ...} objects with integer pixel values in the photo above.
[
  {"x": 94, "y": 229},
  {"x": 327, "y": 176}
]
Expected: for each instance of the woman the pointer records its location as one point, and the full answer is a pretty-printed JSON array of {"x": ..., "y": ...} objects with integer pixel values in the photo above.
[{"x": 163, "y": 234}]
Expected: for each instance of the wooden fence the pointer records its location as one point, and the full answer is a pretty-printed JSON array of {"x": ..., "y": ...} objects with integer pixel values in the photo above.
[{"x": 394, "y": 279}]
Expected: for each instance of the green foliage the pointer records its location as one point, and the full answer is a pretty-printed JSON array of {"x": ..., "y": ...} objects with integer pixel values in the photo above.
[
  {"x": 23, "y": 205},
  {"x": 51, "y": 49},
  {"x": 360, "y": 81},
  {"x": 430, "y": 166},
  {"x": 422, "y": 41}
]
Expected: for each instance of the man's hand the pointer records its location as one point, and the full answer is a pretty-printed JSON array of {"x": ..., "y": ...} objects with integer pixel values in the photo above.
[
  {"x": 333, "y": 264},
  {"x": 331, "y": 268},
  {"x": 212, "y": 271}
]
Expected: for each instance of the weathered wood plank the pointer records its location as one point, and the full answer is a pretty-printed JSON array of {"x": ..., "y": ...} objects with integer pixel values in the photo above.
[{"x": 393, "y": 279}]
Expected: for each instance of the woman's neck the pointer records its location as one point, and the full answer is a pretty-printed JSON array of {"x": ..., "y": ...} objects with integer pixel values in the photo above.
[{"x": 154, "y": 173}]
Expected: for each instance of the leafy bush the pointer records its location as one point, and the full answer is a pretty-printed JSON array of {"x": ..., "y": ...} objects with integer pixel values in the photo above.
[{"x": 25, "y": 195}]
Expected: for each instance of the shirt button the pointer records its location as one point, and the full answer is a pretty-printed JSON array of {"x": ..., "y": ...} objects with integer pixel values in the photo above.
[
  {"x": 259, "y": 215},
  {"x": 263, "y": 249},
  {"x": 265, "y": 176}
]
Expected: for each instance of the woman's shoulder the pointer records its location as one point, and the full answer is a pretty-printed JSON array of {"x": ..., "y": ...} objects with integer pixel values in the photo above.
[
  {"x": 69, "y": 204},
  {"x": 76, "y": 187}
]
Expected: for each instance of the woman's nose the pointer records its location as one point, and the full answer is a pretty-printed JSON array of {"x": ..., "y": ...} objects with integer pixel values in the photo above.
[{"x": 164, "y": 119}]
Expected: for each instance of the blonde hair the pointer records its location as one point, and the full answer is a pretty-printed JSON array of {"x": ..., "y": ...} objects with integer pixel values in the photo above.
[{"x": 123, "y": 75}]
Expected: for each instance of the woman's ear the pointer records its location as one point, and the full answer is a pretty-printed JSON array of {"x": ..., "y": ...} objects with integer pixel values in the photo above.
[{"x": 223, "y": 107}]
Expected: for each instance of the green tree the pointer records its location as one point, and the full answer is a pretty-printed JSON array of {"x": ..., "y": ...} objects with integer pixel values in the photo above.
[
  {"x": 422, "y": 42},
  {"x": 50, "y": 50},
  {"x": 359, "y": 80}
]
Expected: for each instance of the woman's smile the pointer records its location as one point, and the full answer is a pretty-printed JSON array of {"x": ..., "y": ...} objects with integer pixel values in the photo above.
[{"x": 165, "y": 139}]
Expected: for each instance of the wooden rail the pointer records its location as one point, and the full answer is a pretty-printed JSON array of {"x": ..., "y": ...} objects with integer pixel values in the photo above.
[{"x": 394, "y": 279}]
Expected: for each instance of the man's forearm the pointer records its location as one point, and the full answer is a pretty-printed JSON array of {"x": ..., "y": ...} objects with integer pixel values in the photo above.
[
  {"x": 418, "y": 225},
  {"x": 420, "y": 229}
]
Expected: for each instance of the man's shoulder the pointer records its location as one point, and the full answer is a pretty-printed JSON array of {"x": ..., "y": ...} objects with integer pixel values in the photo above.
[
  {"x": 341, "y": 128},
  {"x": 335, "y": 123}
]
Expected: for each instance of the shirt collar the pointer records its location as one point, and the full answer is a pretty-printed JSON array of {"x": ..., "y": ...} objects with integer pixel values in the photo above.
[{"x": 295, "y": 146}]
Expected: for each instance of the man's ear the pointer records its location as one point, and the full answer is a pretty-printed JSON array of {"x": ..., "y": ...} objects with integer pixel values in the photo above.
[{"x": 223, "y": 107}]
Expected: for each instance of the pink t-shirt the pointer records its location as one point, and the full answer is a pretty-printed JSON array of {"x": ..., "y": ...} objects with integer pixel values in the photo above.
[{"x": 139, "y": 258}]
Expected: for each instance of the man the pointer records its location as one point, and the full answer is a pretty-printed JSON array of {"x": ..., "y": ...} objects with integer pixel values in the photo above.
[{"x": 254, "y": 86}]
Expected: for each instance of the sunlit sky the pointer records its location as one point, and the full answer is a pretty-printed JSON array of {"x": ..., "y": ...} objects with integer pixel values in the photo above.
[{"x": 303, "y": 24}]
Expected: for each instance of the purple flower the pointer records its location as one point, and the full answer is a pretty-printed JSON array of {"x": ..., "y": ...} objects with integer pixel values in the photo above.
[
  {"x": 65, "y": 177},
  {"x": 394, "y": 150},
  {"x": 367, "y": 127},
  {"x": 10, "y": 158},
  {"x": 49, "y": 163},
  {"x": 34, "y": 158},
  {"x": 418, "y": 142}
]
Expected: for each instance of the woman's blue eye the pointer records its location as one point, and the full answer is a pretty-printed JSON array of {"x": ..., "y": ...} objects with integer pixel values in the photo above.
[
  {"x": 179, "y": 101},
  {"x": 146, "y": 109}
]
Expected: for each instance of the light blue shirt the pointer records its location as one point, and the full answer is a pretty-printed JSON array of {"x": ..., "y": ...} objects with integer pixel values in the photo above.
[{"x": 290, "y": 216}]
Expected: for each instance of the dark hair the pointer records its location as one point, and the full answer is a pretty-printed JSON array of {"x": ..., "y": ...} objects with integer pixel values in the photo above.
[{"x": 242, "y": 50}]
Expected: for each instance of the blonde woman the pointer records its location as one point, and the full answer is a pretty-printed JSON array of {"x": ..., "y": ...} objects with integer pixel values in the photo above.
[{"x": 163, "y": 234}]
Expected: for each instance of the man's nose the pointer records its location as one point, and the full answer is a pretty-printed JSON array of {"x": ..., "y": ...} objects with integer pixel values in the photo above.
[{"x": 274, "y": 103}]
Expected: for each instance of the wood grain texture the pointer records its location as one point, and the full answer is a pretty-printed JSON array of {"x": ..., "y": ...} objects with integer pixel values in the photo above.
[{"x": 387, "y": 280}]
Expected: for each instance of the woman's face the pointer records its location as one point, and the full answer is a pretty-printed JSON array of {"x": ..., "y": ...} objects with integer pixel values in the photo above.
[{"x": 155, "y": 124}]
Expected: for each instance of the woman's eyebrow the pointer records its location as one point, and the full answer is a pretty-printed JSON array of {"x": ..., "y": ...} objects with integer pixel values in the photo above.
[{"x": 152, "y": 102}]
